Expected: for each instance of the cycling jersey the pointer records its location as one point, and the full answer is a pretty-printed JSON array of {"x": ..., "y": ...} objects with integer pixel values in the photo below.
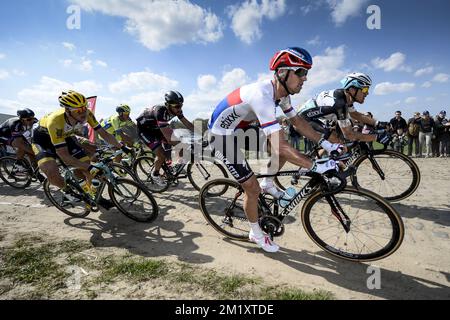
[
  {"x": 155, "y": 118},
  {"x": 248, "y": 104},
  {"x": 113, "y": 125},
  {"x": 328, "y": 105},
  {"x": 11, "y": 129},
  {"x": 57, "y": 128}
]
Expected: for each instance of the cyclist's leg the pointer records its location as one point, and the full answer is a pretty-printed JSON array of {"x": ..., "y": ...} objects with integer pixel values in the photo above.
[{"x": 46, "y": 160}]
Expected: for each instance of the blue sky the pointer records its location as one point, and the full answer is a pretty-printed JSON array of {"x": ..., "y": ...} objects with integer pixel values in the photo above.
[{"x": 132, "y": 51}]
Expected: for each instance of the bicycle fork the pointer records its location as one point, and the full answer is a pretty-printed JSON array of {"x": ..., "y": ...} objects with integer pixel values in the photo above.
[{"x": 338, "y": 212}]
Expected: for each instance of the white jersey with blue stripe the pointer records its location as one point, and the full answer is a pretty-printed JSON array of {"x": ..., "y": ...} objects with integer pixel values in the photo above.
[{"x": 247, "y": 104}]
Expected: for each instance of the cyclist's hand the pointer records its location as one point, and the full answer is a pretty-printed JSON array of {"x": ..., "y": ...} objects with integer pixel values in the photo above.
[
  {"x": 324, "y": 166},
  {"x": 95, "y": 170},
  {"x": 383, "y": 137},
  {"x": 333, "y": 147},
  {"x": 126, "y": 149}
]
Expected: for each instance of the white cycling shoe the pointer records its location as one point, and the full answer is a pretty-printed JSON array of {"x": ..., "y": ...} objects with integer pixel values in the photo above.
[
  {"x": 264, "y": 242},
  {"x": 268, "y": 187}
]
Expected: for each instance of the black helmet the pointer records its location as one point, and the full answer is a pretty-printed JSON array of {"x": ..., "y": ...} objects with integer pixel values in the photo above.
[
  {"x": 174, "y": 97},
  {"x": 25, "y": 113}
]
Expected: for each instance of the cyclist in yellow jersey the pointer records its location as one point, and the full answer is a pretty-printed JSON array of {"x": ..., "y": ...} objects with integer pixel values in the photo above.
[
  {"x": 120, "y": 125},
  {"x": 54, "y": 137}
]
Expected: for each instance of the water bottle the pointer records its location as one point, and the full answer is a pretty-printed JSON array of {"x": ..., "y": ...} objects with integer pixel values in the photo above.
[{"x": 289, "y": 194}]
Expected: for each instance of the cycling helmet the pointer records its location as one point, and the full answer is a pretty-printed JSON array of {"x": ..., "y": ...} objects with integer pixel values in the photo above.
[
  {"x": 25, "y": 113},
  {"x": 174, "y": 97},
  {"x": 72, "y": 100},
  {"x": 291, "y": 58},
  {"x": 357, "y": 80},
  {"x": 123, "y": 108}
]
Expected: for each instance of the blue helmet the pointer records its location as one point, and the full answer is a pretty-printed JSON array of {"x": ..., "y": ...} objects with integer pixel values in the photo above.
[{"x": 357, "y": 80}]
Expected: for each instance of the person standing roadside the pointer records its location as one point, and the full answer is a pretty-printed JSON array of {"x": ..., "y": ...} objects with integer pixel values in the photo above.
[
  {"x": 443, "y": 125},
  {"x": 398, "y": 127},
  {"x": 426, "y": 134},
  {"x": 413, "y": 134}
]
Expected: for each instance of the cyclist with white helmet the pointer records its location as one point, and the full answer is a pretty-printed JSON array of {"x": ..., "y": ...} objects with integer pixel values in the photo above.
[
  {"x": 258, "y": 102},
  {"x": 338, "y": 105}
]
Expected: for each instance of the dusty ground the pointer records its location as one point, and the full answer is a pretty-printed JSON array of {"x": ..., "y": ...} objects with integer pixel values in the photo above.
[{"x": 420, "y": 269}]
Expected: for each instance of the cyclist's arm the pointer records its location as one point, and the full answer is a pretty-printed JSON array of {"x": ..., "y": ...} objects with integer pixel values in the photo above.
[
  {"x": 349, "y": 134},
  {"x": 283, "y": 151},
  {"x": 167, "y": 133},
  {"x": 189, "y": 125},
  {"x": 363, "y": 118},
  {"x": 109, "y": 138},
  {"x": 304, "y": 128}
]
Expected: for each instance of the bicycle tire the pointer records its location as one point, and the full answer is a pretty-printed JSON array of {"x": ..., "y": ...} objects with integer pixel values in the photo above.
[
  {"x": 5, "y": 172},
  {"x": 396, "y": 228},
  {"x": 58, "y": 204},
  {"x": 199, "y": 184},
  {"x": 235, "y": 213},
  {"x": 142, "y": 168},
  {"x": 383, "y": 187},
  {"x": 140, "y": 191}
]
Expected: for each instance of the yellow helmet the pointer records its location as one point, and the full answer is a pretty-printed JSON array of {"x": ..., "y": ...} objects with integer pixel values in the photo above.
[
  {"x": 72, "y": 100},
  {"x": 123, "y": 108}
]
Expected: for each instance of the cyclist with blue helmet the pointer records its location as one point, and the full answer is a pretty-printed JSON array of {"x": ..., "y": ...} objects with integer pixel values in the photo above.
[
  {"x": 258, "y": 102},
  {"x": 338, "y": 105}
]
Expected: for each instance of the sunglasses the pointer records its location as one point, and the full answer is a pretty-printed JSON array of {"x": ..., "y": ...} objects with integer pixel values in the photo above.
[
  {"x": 365, "y": 90},
  {"x": 176, "y": 106},
  {"x": 79, "y": 110},
  {"x": 301, "y": 72},
  {"x": 27, "y": 119}
]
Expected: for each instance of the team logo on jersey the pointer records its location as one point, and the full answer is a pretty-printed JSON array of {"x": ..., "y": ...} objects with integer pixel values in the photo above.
[
  {"x": 229, "y": 120},
  {"x": 59, "y": 133}
]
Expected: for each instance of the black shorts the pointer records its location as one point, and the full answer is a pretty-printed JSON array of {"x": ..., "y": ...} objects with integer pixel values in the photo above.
[
  {"x": 227, "y": 150},
  {"x": 45, "y": 151},
  {"x": 152, "y": 138}
]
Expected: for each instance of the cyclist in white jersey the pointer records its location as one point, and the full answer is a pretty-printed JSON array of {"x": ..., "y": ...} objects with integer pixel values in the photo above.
[{"x": 258, "y": 102}]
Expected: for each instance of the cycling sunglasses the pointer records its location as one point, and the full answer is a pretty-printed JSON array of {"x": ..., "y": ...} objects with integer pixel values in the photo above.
[
  {"x": 301, "y": 72},
  {"x": 365, "y": 90},
  {"x": 176, "y": 106},
  {"x": 27, "y": 119},
  {"x": 79, "y": 110}
]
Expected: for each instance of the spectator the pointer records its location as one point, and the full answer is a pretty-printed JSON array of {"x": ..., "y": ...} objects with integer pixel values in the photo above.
[
  {"x": 295, "y": 137},
  {"x": 413, "y": 134},
  {"x": 438, "y": 132},
  {"x": 443, "y": 125},
  {"x": 426, "y": 133},
  {"x": 285, "y": 127},
  {"x": 398, "y": 127}
]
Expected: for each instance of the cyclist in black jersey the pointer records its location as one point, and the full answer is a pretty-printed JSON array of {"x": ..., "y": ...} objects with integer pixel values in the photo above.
[
  {"x": 338, "y": 105},
  {"x": 153, "y": 127}
]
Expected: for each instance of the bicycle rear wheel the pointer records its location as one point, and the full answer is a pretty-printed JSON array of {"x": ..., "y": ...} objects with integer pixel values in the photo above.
[
  {"x": 222, "y": 204},
  {"x": 200, "y": 172},
  {"x": 16, "y": 173},
  {"x": 401, "y": 175},
  {"x": 376, "y": 229},
  {"x": 133, "y": 200},
  {"x": 71, "y": 204}
]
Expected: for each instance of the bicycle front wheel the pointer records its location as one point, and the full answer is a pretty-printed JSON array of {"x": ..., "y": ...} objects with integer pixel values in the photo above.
[
  {"x": 200, "y": 172},
  {"x": 400, "y": 176},
  {"x": 133, "y": 200},
  {"x": 376, "y": 230},
  {"x": 222, "y": 204},
  {"x": 143, "y": 167},
  {"x": 16, "y": 173}
]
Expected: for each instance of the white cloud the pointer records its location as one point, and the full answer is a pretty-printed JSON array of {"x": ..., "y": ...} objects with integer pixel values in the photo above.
[
  {"x": 246, "y": 18},
  {"x": 44, "y": 95},
  {"x": 314, "y": 42},
  {"x": 385, "y": 88},
  {"x": 206, "y": 82},
  {"x": 138, "y": 81},
  {"x": 86, "y": 65},
  {"x": 89, "y": 52},
  {"x": 441, "y": 77},
  {"x": 344, "y": 9},
  {"x": 159, "y": 24},
  {"x": 66, "y": 63},
  {"x": 2, "y": 56},
  {"x": 101, "y": 63},
  {"x": 19, "y": 73},
  {"x": 411, "y": 100},
  {"x": 426, "y": 84},
  {"x": 4, "y": 74},
  {"x": 69, "y": 46},
  {"x": 423, "y": 71},
  {"x": 394, "y": 62}
]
